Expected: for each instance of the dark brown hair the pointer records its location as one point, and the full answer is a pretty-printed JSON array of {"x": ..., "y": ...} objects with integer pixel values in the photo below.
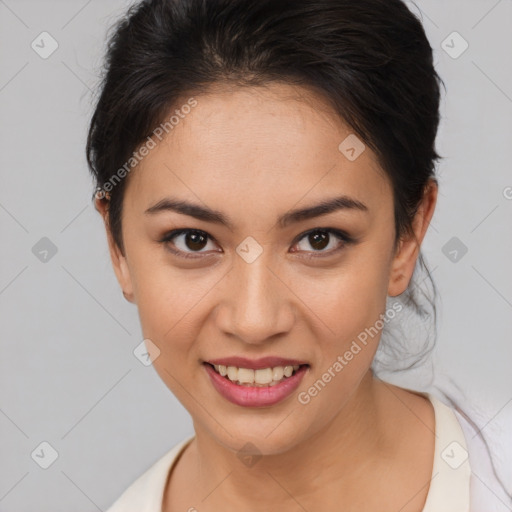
[{"x": 369, "y": 58}]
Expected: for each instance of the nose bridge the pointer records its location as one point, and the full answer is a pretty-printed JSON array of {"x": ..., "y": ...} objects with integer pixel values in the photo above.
[{"x": 256, "y": 303}]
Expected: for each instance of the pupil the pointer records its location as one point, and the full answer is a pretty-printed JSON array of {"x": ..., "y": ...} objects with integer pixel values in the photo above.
[
  {"x": 319, "y": 240},
  {"x": 195, "y": 240}
]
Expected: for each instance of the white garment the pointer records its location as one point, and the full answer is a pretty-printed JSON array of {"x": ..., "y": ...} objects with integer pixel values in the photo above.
[
  {"x": 489, "y": 438},
  {"x": 449, "y": 487}
]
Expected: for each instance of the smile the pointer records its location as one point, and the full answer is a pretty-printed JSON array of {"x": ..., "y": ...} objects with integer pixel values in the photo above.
[
  {"x": 261, "y": 387},
  {"x": 261, "y": 377}
]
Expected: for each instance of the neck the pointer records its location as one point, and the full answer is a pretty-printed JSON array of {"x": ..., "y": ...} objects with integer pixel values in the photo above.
[{"x": 340, "y": 452}]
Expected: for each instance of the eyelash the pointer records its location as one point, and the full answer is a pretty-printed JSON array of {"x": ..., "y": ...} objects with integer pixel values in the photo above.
[{"x": 344, "y": 237}]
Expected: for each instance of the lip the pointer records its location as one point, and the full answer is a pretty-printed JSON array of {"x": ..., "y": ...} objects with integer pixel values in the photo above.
[
  {"x": 252, "y": 396},
  {"x": 256, "y": 364}
]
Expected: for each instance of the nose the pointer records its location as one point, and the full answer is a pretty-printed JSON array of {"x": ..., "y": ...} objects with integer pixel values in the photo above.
[{"x": 257, "y": 304}]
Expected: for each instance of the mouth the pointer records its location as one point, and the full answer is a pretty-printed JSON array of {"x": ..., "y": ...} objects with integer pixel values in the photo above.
[
  {"x": 261, "y": 377},
  {"x": 265, "y": 384}
]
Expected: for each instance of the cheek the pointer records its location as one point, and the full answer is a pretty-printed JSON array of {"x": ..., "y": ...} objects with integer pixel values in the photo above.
[
  {"x": 347, "y": 299},
  {"x": 173, "y": 306},
  {"x": 350, "y": 302},
  {"x": 351, "y": 306},
  {"x": 168, "y": 306}
]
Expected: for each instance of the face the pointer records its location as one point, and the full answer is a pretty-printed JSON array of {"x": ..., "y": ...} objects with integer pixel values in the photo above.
[{"x": 241, "y": 274}]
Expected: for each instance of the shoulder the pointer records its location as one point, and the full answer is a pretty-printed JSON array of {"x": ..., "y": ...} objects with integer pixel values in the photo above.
[
  {"x": 487, "y": 490},
  {"x": 146, "y": 492}
]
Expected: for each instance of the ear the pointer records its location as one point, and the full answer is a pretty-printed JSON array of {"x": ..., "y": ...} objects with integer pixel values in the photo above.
[
  {"x": 118, "y": 259},
  {"x": 408, "y": 249}
]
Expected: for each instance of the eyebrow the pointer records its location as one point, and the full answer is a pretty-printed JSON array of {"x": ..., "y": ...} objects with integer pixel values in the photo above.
[{"x": 208, "y": 215}]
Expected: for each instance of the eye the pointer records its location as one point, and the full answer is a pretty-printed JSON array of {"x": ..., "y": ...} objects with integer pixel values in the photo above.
[
  {"x": 322, "y": 238},
  {"x": 186, "y": 240}
]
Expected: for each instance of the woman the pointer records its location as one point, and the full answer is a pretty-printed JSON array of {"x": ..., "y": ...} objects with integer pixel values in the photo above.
[{"x": 265, "y": 171}]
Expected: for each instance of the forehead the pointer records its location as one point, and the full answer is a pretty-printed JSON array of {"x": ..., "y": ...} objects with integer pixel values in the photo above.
[{"x": 263, "y": 146}]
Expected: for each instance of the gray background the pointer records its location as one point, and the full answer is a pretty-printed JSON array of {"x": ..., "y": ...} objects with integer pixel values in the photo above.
[{"x": 68, "y": 373}]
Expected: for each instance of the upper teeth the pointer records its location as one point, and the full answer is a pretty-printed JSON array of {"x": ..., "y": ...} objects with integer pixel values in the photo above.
[{"x": 249, "y": 376}]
